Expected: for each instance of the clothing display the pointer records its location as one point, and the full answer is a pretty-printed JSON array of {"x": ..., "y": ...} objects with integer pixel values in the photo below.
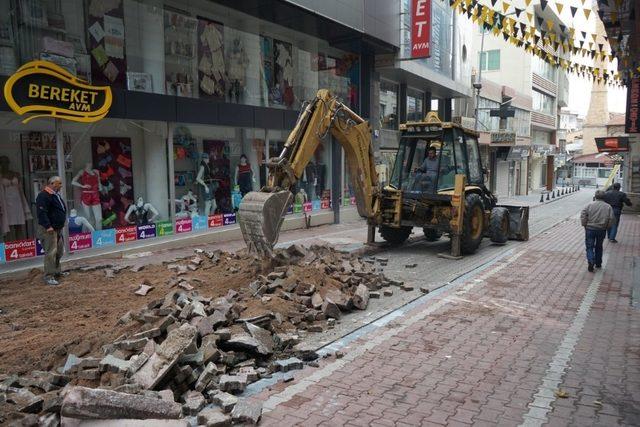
[
  {"x": 78, "y": 224},
  {"x": 211, "y": 66},
  {"x": 245, "y": 178},
  {"x": 14, "y": 206},
  {"x": 90, "y": 196},
  {"x": 141, "y": 213}
]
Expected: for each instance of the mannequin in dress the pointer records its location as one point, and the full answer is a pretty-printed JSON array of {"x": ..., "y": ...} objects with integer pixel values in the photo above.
[
  {"x": 143, "y": 213},
  {"x": 244, "y": 176},
  {"x": 204, "y": 179},
  {"x": 14, "y": 208},
  {"x": 188, "y": 205},
  {"x": 88, "y": 179},
  {"x": 78, "y": 224}
]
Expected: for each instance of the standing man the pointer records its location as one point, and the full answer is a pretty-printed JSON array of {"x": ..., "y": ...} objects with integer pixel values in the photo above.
[
  {"x": 596, "y": 218},
  {"x": 52, "y": 217},
  {"x": 615, "y": 198}
]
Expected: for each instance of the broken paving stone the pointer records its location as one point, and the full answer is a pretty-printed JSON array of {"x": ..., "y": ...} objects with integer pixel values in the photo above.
[
  {"x": 49, "y": 420},
  {"x": 249, "y": 372},
  {"x": 225, "y": 400},
  {"x": 82, "y": 402},
  {"x": 331, "y": 323},
  {"x": 264, "y": 338},
  {"x": 185, "y": 285},
  {"x": 209, "y": 349},
  {"x": 315, "y": 328},
  {"x": 265, "y": 299},
  {"x": 130, "y": 345},
  {"x": 285, "y": 340},
  {"x": 89, "y": 374},
  {"x": 109, "y": 274},
  {"x": 224, "y": 334},
  {"x": 406, "y": 287},
  {"x": 149, "y": 333},
  {"x": 374, "y": 294},
  {"x": 193, "y": 403},
  {"x": 166, "y": 356},
  {"x": 111, "y": 363},
  {"x": 361, "y": 297},
  {"x": 233, "y": 383},
  {"x": 387, "y": 292},
  {"x": 25, "y": 401},
  {"x": 137, "y": 268},
  {"x": 305, "y": 352},
  {"x": 247, "y": 411},
  {"x": 286, "y": 365},
  {"x": 305, "y": 289},
  {"x": 316, "y": 301},
  {"x": 412, "y": 265},
  {"x": 213, "y": 417},
  {"x": 206, "y": 376},
  {"x": 339, "y": 354},
  {"x": 330, "y": 309},
  {"x": 339, "y": 298},
  {"x": 424, "y": 289},
  {"x": 143, "y": 290},
  {"x": 71, "y": 364}
]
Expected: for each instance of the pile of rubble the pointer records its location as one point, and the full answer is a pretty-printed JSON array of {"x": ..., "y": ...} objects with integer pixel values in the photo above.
[{"x": 187, "y": 357}]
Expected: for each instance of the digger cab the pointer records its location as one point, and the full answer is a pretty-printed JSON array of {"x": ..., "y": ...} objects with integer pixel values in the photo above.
[{"x": 431, "y": 153}]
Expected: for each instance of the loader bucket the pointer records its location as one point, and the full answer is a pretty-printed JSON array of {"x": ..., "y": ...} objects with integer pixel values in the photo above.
[
  {"x": 260, "y": 216},
  {"x": 518, "y": 222}
]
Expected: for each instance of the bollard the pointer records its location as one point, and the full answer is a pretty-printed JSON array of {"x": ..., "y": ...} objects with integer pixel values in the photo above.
[
  {"x": 553, "y": 194},
  {"x": 547, "y": 196},
  {"x": 541, "y": 198},
  {"x": 563, "y": 191},
  {"x": 578, "y": 187}
]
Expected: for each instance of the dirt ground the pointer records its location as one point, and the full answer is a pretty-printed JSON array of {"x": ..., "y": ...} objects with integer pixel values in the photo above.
[{"x": 40, "y": 325}]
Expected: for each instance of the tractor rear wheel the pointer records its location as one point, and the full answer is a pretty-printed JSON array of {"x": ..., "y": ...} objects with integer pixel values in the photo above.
[
  {"x": 499, "y": 225},
  {"x": 431, "y": 235},
  {"x": 394, "y": 235},
  {"x": 472, "y": 224}
]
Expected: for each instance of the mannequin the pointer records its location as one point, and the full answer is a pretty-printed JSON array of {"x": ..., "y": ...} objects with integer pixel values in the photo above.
[
  {"x": 78, "y": 224},
  {"x": 238, "y": 62},
  {"x": 14, "y": 208},
  {"x": 207, "y": 185},
  {"x": 89, "y": 180},
  {"x": 143, "y": 213},
  {"x": 244, "y": 176},
  {"x": 188, "y": 206}
]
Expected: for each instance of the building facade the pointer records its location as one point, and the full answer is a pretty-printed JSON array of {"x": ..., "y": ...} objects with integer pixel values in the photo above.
[{"x": 204, "y": 92}]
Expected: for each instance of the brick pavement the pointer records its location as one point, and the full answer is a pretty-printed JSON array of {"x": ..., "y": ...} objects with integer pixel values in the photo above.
[{"x": 478, "y": 353}]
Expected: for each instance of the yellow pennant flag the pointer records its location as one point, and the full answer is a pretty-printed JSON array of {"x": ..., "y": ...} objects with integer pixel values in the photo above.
[
  {"x": 527, "y": 2},
  {"x": 559, "y": 6},
  {"x": 505, "y": 7},
  {"x": 530, "y": 16},
  {"x": 587, "y": 12},
  {"x": 593, "y": 36},
  {"x": 549, "y": 24},
  {"x": 496, "y": 31}
]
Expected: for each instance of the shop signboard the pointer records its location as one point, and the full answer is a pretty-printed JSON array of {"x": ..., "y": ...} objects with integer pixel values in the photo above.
[
  {"x": 2, "y": 258},
  {"x": 80, "y": 241},
  {"x": 420, "y": 28},
  {"x": 613, "y": 144},
  {"x": 316, "y": 205},
  {"x": 126, "y": 234},
  {"x": 44, "y": 89},
  {"x": 102, "y": 238},
  {"x": 216, "y": 220},
  {"x": 632, "y": 116},
  {"x": 200, "y": 222},
  {"x": 229, "y": 219},
  {"x": 20, "y": 249},
  {"x": 307, "y": 207},
  {"x": 184, "y": 225},
  {"x": 164, "y": 228},
  {"x": 147, "y": 231},
  {"x": 503, "y": 137},
  {"x": 39, "y": 248}
]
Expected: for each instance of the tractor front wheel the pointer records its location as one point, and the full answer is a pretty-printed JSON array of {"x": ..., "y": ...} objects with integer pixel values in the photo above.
[
  {"x": 394, "y": 235},
  {"x": 472, "y": 224}
]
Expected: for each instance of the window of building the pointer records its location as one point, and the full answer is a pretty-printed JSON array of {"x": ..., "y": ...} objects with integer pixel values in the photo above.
[
  {"x": 490, "y": 60},
  {"x": 544, "y": 69},
  {"x": 388, "y": 105},
  {"x": 415, "y": 105},
  {"x": 543, "y": 102}
]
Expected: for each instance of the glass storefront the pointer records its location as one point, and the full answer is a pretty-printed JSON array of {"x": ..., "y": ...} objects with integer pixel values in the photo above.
[
  {"x": 192, "y": 48},
  {"x": 389, "y": 105}
]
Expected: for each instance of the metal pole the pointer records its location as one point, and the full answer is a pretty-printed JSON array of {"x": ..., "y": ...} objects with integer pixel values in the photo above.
[
  {"x": 478, "y": 84},
  {"x": 171, "y": 169},
  {"x": 61, "y": 169}
]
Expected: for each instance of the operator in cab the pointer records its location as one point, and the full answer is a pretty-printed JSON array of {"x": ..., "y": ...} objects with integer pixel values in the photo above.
[{"x": 431, "y": 164}]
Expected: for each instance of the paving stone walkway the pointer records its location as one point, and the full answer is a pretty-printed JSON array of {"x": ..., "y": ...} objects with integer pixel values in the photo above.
[{"x": 533, "y": 340}]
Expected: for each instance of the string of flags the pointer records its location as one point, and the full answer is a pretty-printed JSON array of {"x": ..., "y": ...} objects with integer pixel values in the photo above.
[{"x": 551, "y": 40}]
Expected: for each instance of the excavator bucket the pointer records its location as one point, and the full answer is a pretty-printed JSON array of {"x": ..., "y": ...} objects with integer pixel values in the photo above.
[
  {"x": 518, "y": 222},
  {"x": 260, "y": 216}
]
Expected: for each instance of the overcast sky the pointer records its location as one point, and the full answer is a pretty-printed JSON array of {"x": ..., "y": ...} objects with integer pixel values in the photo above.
[{"x": 580, "y": 91}]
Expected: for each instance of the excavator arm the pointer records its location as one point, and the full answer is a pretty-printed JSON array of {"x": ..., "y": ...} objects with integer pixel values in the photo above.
[{"x": 261, "y": 213}]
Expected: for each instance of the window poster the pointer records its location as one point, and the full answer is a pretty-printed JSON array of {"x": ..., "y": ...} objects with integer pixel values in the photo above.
[
  {"x": 220, "y": 167},
  {"x": 282, "y": 91},
  {"x": 105, "y": 27},
  {"x": 112, "y": 158},
  {"x": 211, "y": 65}
]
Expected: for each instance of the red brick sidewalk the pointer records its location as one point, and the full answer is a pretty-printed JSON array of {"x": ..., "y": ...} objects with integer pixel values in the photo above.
[{"x": 484, "y": 352}]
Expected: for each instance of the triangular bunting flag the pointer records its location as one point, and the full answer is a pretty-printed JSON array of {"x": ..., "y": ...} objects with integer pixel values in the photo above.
[
  {"x": 549, "y": 24},
  {"x": 493, "y": 2},
  {"x": 518, "y": 12},
  {"x": 584, "y": 34},
  {"x": 593, "y": 36},
  {"x": 563, "y": 28},
  {"x": 559, "y": 7},
  {"x": 543, "y": 4},
  {"x": 527, "y": 2},
  {"x": 574, "y": 10},
  {"x": 540, "y": 21},
  {"x": 530, "y": 16},
  {"x": 505, "y": 7},
  {"x": 587, "y": 13}
]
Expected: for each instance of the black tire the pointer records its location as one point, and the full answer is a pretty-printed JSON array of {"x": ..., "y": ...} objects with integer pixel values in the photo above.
[
  {"x": 393, "y": 235},
  {"x": 472, "y": 225},
  {"x": 499, "y": 225},
  {"x": 431, "y": 235}
]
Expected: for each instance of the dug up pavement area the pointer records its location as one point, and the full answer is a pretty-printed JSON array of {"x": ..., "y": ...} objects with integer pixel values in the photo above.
[{"x": 516, "y": 334}]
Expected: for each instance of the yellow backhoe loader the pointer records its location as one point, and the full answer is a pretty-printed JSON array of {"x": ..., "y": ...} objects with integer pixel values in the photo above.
[{"x": 437, "y": 182}]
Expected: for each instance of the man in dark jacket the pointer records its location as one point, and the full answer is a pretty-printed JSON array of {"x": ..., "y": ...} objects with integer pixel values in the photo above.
[
  {"x": 52, "y": 217},
  {"x": 596, "y": 218},
  {"x": 616, "y": 199}
]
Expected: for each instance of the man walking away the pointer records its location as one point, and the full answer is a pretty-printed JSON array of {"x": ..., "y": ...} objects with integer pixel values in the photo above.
[
  {"x": 615, "y": 198},
  {"x": 596, "y": 218},
  {"x": 52, "y": 216}
]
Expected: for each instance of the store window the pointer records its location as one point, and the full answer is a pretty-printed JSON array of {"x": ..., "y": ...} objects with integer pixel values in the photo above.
[
  {"x": 388, "y": 105},
  {"x": 490, "y": 60},
  {"x": 415, "y": 105}
]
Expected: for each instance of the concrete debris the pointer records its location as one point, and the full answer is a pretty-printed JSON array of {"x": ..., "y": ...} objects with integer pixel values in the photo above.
[
  {"x": 330, "y": 309},
  {"x": 213, "y": 417},
  {"x": 83, "y": 403},
  {"x": 361, "y": 297},
  {"x": 387, "y": 292},
  {"x": 289, "y": 364},
  {"x": 424, "y": 289},
  {"x": 247, "y": 411},
  {"x": 233, "y": 383},
  {"x": 143, "y": 290},
  {"x": 225, "y": 401},
  {"x": 413, "y": 265},
  {"x": 194, "y": 401}
]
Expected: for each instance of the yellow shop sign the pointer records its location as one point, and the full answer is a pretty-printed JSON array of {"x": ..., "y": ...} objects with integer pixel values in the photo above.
[{"x": 45, "y": 89}]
